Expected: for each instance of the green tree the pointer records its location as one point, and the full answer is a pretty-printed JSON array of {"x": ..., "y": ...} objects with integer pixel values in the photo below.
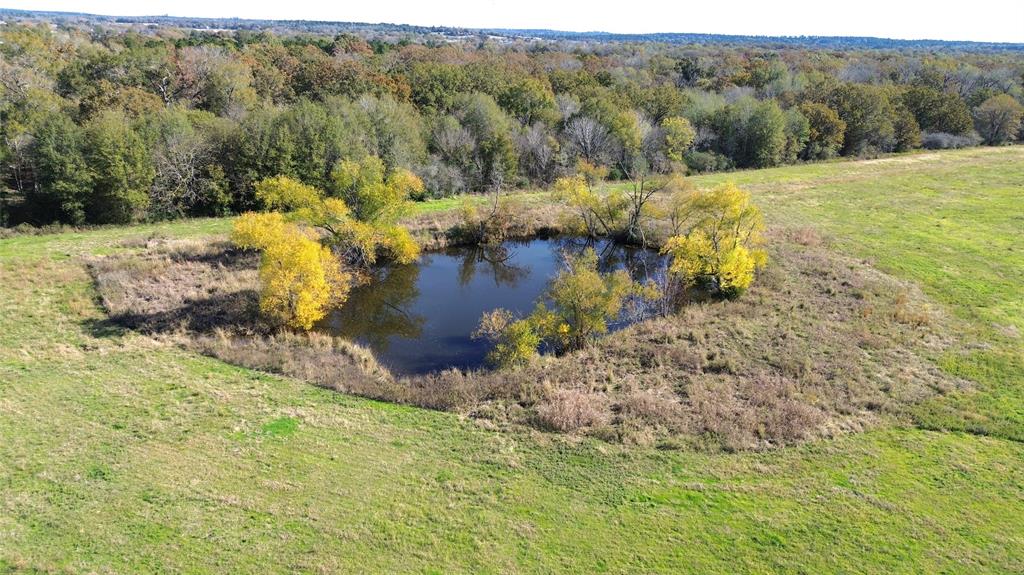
[
  {"x": 868, "y": 115},
  {"x": 615, "y": 114},
  {"x": 212, "y": 78},
  {"x": 274, "y": 69},
  {"x": 436, "y": 86},
  {"x": 752, "y": 133},
  {"x": 394, "y": 131},
  {"x": 905, "y": 129},
  {"x": 319, "y": 139},
  {"x": 798, "y": 133},
  {"x": 122, "y": 169},
  {"x": 938, "y": 111},
  {"x": 493, "y": 159},
  {"x": 662, "y": 102},
  {"x": 189, "y": 179},
  {"x": 766, "y": 135},
  {"x": 63, "y": 182},
  {"x": 679, "y": 136},
  {"x": 825, "y": 131},
  {"x": 998, "y": 119},
  {"x": 263, "y": 146},
  {"x": 529, "y": 100}
]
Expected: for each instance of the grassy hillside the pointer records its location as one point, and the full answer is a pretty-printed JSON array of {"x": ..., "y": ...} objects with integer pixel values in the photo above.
[
  {"x": 121, "y": 455},
  {"x": 953, "y": 223}
]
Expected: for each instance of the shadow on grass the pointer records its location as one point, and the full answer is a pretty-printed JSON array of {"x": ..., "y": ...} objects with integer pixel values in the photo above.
[{"x": 236, "y": 312}]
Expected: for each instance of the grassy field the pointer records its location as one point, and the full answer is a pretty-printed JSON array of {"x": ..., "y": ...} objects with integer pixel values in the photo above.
[
  {"x": 954, "y": 224},
  {"x": 120, "y": 455}
]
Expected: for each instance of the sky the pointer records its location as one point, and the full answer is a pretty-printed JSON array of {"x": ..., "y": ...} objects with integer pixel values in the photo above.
[{"x": 979, "y": 20}]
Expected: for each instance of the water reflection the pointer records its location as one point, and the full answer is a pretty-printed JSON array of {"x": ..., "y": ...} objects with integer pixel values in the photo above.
[
  {"x": 381, "y": 309},
  {"x": 494, "y": 261},
  {"x": 418, "y": 318}
]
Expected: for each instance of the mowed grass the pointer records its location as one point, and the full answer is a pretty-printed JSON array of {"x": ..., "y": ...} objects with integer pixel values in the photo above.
[
  {"x": 953, "y": 222},
  {"x": 122, "y": 455}
]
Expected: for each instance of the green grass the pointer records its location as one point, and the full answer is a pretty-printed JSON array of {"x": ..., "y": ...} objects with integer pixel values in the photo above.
[
  {"x": 442, "y": 204},
  {"x": 954, "y": 224},
  {"x": 119, "y": 454},
  {"x": 103, "y": 240}
]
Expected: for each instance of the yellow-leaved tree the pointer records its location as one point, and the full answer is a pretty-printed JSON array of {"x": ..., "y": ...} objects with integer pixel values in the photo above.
[
  {"x": 596, "y": 213},
  {"x": 618, "y": 212},
  {"x": 719, "y": 239},
  {"x": 582, "y": 303},
  {"x": 300, "y": 279},
  {"x": 377, "y": 201},
  {"x": 360, "y": 219},
  {"x": 301, "y": 276},
  {"x": 513, "y": 341}
]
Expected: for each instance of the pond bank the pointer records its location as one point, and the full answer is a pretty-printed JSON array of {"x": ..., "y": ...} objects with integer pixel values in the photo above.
[{"x": 820, "y": 345}]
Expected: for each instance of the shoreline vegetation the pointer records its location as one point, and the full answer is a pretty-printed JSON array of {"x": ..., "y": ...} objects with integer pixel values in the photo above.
[{"x": 718, "y": 375}]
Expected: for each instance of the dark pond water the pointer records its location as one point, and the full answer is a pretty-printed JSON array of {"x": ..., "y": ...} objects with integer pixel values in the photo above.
[{"x": 418, "y": 318}]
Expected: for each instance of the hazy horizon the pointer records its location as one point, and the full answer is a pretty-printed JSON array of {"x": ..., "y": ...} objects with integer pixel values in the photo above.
[{"x": 904, "y": 21}]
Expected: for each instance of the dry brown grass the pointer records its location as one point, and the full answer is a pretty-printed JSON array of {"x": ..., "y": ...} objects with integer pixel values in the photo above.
[
  {"x": 572, "y": 409},
  {"x": 821, "y": 345},
  {"x": 180, "y": 284},
  {"x": 442, "y": 229},
  {"x": 319, "y": 359}
]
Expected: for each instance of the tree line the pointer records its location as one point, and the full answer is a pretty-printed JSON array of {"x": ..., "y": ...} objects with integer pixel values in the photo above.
[{"x": 113, "y": 125}]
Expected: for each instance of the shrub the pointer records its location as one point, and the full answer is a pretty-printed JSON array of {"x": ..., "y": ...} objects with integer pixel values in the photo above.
[
  {"x": 441, "y": 179},
  {"x": 703, "y": 162},
  {"x": 514, "y": 340},
  {"x": 944, "y": 141},
  {"x": 583, "y": 301}
]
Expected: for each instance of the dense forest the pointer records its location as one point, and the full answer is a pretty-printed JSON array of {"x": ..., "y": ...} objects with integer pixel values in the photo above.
[{"x": 108, "y": 123}]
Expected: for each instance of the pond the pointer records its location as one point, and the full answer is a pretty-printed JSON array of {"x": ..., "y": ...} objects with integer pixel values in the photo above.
[{"x": 418, "y": 318}]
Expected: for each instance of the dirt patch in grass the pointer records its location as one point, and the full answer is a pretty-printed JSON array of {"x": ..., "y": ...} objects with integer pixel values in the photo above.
[
  {"x": 906, "y": 159},
  {"x": 821, "y": 345}
]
